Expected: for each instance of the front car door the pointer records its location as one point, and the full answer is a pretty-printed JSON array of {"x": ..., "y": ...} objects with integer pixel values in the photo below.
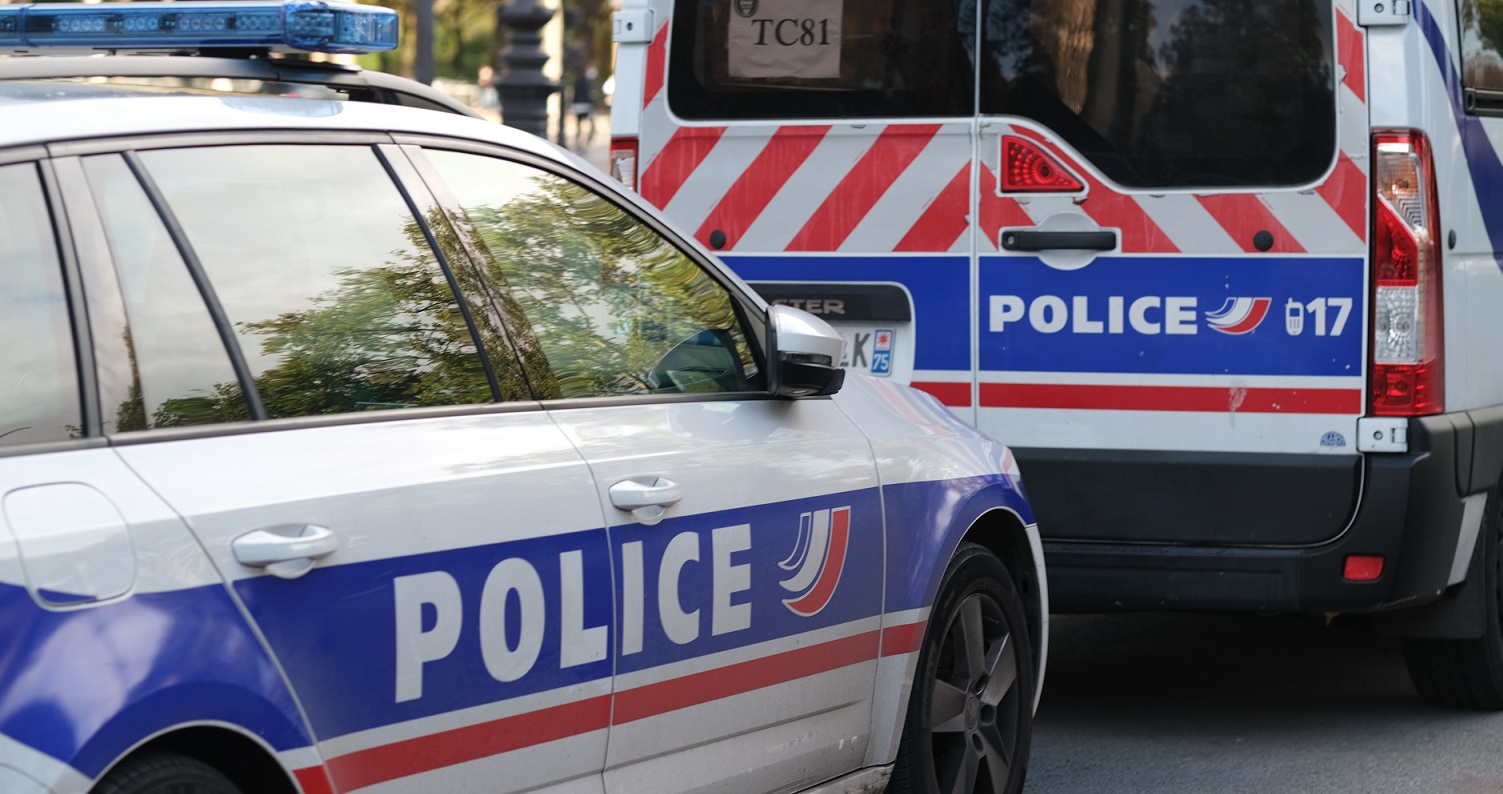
[
  {"x": 301, "y": 383},
  {"x": 746, "y": 531}
]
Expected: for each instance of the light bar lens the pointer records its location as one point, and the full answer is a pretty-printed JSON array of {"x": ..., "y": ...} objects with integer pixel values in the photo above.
[{"x": 296, "y": 24}]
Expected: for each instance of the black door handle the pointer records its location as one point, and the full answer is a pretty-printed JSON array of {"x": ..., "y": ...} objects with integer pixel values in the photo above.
[{"x": 1045, "y": 241}]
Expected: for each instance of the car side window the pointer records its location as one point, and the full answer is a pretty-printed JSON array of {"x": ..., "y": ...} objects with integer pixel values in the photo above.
[
  {"x": 338, "y": 303},
  {"x": 614, "y": 307},
  {"x": 180, "y": 372},
  {"x": 39, "y": 397}
]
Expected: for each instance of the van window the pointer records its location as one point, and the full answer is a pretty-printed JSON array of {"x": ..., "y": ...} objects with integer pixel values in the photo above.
[
  {"x": 1171, "y": 93},
  {"x": 1481, "y": 35},
  {"x": 799, "y": 59}
]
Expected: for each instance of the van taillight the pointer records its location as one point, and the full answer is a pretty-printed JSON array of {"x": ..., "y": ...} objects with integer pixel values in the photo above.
[
  {"x": 624, "y": 161},
  {"x": 1408, "y": 378}
]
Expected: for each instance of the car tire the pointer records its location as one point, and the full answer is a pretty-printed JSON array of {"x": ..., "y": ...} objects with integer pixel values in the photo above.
[
  {"x": 970, "y": 715},
  {"x": 1468, "y": 673},
  {"x": 165, "y": 773}
]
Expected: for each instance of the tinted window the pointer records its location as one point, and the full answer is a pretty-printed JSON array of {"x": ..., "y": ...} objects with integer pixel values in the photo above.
[
  {"x": 38, "y": 372},
  {"x": 179, "y": 371},
  {"x": 774, "y": 59},
  {"x": 614, "y": 308},
  {"x": 1171, "y": 93},
  {"x": 1481, "y": 37},
  {"x": 337, "y": 301}
]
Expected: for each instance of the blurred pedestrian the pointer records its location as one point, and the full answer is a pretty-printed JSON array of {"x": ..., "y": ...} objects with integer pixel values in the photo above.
[{"x": 583, "y": 107}]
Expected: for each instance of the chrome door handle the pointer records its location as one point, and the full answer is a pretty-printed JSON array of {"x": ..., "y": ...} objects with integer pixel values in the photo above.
[
  {"x": 286, "y": 551},
  {"x": 647, "y": 501}
]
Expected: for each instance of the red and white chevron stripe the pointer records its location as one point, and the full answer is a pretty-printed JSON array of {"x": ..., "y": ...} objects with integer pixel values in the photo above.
[{"x": 883, "y": 188}]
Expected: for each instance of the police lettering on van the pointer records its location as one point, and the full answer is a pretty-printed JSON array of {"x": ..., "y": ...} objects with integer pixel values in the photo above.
[{"x": 1186, "y": 247}]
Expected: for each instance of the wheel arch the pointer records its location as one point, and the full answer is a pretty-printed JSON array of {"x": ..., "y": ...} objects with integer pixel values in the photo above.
[
  {"x": 1002, "y": 532},
  {"x": 244, "y": 758}
]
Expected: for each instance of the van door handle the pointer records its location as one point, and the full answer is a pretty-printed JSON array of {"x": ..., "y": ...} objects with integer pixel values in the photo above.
[
  {"x": 647, "y": 501},
  {"x": 1057, "y": 241},
  {"x": 285, "y": 551}
]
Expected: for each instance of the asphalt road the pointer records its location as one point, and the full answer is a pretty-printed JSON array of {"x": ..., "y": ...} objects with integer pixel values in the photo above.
[{"x": 1170, "y": 703}]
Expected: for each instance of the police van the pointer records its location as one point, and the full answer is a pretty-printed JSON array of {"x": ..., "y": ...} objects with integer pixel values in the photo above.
[
  {"x": 1228, "y": 272},
  {"x": 349, "y": 447}
]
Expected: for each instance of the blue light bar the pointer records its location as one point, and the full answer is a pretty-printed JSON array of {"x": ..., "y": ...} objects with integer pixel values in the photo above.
[{"x": 307, "y": 25}]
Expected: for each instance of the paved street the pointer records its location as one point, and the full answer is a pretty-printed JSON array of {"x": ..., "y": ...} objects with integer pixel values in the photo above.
[{"x": 1197, "y": 703}]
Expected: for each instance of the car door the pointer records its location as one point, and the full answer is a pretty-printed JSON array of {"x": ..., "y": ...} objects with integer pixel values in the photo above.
[
  {"x": 420, "y": 549},
  {"x": 746, "y": 531},
  {"x": 1172, "y": 264}
]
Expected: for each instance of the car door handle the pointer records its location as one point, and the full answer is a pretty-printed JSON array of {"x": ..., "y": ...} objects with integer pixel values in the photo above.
[
  {"x": 647, "y": 501},
  {"x": 286, "y": 551},
  {"x": 1059, "y": 241}
]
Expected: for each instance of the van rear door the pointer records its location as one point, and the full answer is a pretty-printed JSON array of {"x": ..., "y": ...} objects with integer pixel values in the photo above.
[{"x": 1172, "y": 264}]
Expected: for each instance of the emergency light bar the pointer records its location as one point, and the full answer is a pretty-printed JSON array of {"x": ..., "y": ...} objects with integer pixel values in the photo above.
[{"x": 307, "y": 25}]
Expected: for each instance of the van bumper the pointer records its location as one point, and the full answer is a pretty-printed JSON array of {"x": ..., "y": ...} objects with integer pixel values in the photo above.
[{"x": 1408, "y": 510}]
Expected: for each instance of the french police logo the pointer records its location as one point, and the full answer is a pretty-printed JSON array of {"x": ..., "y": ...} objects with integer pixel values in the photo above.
[
  {"x": 817, "y": 560},
  {"x": 746, "y": 8}
]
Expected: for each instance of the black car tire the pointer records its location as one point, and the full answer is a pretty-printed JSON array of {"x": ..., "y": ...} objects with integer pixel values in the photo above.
[
  {"x": 165, "y": 773},
  {"x": 970, "y": 716},
  {"x": 1468, "y": 673}
]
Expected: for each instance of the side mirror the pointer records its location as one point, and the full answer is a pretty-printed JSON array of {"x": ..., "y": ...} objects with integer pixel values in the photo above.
[{"x": 806, "y": 354}]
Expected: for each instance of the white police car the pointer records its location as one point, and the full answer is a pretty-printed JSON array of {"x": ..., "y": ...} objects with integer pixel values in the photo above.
[{"x": 347, "y": 447}]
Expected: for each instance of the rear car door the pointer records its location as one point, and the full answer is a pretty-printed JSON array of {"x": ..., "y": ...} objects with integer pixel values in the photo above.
[
  {"x": 746, "y": 531},
  {"x": 1172, "y": 264},
  {"x": 304, "y": 378}
]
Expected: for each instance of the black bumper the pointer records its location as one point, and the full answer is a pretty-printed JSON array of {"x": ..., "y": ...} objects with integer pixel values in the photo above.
[{"x": 1405, "y": 507}]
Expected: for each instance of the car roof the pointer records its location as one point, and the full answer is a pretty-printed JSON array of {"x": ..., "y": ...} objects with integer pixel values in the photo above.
[
  {"x": 361, "y": 84},
  {"x": 48, "y": 113}
]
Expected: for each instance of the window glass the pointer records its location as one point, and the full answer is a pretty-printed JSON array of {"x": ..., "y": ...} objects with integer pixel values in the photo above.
[
  {"x": 614, "y": 308},
  {"x": 338, "y": 303},
  {"x": 1171, "y": 93},
  {"x": 774, "y": 59},
  {"x": 181, "y": 372},
  {"x": 1481, "y": 37},
  {"x": 38, "y": 370}
]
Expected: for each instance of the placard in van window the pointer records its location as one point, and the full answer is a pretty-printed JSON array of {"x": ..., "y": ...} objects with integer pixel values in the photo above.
[{"x": 784, "y": 38}]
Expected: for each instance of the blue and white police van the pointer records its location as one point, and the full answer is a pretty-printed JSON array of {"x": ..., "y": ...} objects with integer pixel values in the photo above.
[
  {"x": 349, "y": 447},
  {"x": 1225, "y": 273}
]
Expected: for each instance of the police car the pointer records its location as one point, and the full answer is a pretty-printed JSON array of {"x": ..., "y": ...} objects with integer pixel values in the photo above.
[
  {"x": 349, "y": 447},
  {"x": 1226, "y": 273}
]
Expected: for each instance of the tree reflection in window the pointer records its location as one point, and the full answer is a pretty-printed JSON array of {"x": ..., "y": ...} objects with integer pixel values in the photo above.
[{"x": 605, "y": 297}]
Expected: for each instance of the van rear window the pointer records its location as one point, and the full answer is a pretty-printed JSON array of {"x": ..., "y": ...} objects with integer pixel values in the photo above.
[
  {"x": 820, "y": 59},
  {"x": 1171, "y": 93}
]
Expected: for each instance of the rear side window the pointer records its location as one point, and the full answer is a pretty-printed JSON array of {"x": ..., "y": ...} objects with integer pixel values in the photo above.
[
  {"x": 791, "y": 59},
  {"x": 1171, "y": 93},
  {"x": 38, "y": 372},
  {"x": 1481, "y": 39}
]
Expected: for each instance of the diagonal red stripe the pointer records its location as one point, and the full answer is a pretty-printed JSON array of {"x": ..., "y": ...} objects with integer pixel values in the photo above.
[
  {"x": 1346, "y": 191},
  {"x": 1243, "y": 215},
  {"x": 1140, "y": 235},
  {"x": 755, "y": 188},
  {"x": 313, "y": 780},
  {"x": 854, "y": 197},
  {"x": 400, "y": 759},
  {"x": 998, "y": 212},
  {"x": 657, "y": 65},
  {"x": 683, "y": 153},
  {"x": 691, "y": 690},
  {"x": 1208, "y": 399},
  {"x": 944, "y": 220},
  {"x": 1349, "y": 42}
]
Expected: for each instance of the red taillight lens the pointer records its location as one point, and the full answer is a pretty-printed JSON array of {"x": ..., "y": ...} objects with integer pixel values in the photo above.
[
  {"x": 624, "y": 161},
  {"x": 1407, "y": 377},
  {"x": 1027, "y": 168},
  {"x": 1362, "y": 568}
]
